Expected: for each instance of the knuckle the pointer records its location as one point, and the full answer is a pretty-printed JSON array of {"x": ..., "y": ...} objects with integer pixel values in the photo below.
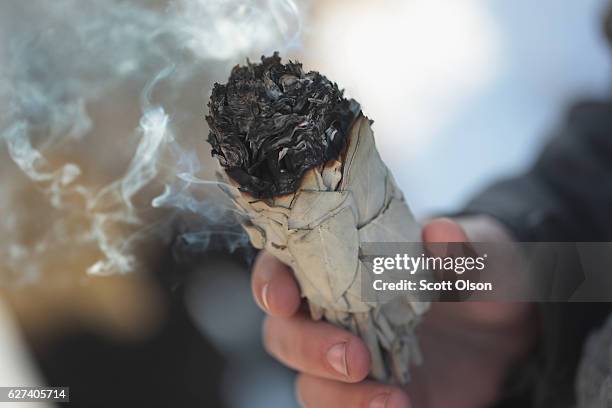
[{"x": 275, "y": 340}]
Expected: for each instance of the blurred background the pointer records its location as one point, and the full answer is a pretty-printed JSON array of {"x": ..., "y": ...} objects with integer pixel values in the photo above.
[{"x": 122, "y": 272}]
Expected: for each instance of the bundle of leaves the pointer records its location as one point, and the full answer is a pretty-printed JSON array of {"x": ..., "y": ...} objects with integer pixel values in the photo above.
[{"x": 272, "y": 122}]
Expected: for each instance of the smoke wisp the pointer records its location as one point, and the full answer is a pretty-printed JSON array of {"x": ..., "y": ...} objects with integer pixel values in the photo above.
[{"x": 80, "y": 184}]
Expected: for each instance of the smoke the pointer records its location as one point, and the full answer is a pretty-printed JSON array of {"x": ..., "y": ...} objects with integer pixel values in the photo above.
[{"x": 83, "y": 179}]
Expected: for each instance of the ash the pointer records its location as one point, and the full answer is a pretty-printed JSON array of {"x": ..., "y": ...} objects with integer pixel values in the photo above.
[{"x": 272, "y": 122}]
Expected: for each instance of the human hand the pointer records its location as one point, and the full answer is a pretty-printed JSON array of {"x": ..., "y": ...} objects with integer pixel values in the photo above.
[{"x": 467, "y": 347}]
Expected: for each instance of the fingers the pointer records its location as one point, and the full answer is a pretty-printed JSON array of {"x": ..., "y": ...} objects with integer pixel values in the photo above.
[
  {"x": 313, "y": 392},
  {"x": 317, "y": 348},
  {"x": 274, "y": 288}
]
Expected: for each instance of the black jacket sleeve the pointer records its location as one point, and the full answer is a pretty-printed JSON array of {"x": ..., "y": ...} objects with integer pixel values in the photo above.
[{"x": 566, "y": 196}]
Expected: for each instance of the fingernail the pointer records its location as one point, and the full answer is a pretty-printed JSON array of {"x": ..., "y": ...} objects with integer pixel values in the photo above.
[
  {"x": 336, "y": 356},
  {"x": 379, "y": 401},
  {"x": 264, "y": 296}
]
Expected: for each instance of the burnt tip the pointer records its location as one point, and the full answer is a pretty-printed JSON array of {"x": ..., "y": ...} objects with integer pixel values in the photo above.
[{"x": 271, "y": 122}]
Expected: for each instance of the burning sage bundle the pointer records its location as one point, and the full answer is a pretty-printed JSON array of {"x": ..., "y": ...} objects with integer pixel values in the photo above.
[{"x": 305, "y": 170}]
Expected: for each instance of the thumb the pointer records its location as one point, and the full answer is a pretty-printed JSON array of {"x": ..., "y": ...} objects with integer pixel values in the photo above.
[
  {"x": 443, "y": 230},
  {"x": 442, "y": 238}
]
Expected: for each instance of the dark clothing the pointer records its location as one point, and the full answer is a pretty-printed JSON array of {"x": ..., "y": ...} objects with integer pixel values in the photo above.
[{"x": 566, "y": 196}]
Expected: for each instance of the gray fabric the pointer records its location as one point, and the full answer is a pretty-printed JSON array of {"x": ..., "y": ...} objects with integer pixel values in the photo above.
[
  {"x": 594, "y": 380},
  {"x": 566, "y": 196}
]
